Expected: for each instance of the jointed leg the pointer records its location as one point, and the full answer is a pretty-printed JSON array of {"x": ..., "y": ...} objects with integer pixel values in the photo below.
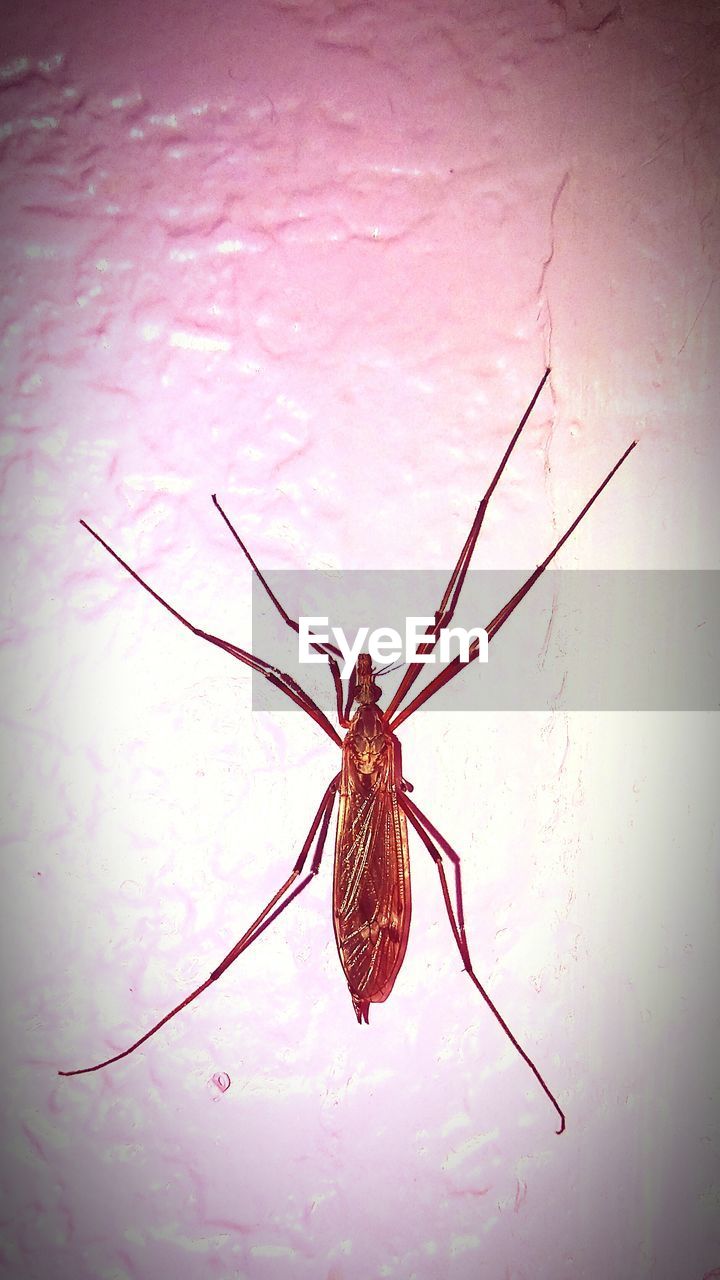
[
  {"x": 259, "y": 925},
  {"x": 423, "y": 827},
  {"x": 330, "y": 651},
  {"x": 352, "y": 687},
  {"x": 456, "y": 665},
  {"x": 440, "y": 841},
  {"x": 275, "y": 677},
  {"x": 448, "y": 604}
]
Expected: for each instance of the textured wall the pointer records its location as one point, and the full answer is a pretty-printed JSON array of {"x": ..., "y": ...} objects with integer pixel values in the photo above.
[{"x": 314, "y": 257}]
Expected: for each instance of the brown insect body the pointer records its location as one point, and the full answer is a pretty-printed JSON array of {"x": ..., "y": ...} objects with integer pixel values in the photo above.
[
  {"x": 371, "y": 883},
  {"x": 371, "y": 887}
]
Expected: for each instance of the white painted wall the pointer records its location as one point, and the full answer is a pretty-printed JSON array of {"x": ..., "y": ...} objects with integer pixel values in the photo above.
[{"x": 314, "y": 257}]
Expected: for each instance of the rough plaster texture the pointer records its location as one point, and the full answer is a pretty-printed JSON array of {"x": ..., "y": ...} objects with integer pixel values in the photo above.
[{"x": 314, "y": 256}]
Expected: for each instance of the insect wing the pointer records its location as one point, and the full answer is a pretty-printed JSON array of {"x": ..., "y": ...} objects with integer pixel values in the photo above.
[{"x": 371, "y": 890}]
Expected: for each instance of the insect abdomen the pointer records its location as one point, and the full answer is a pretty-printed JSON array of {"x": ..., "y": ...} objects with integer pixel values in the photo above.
[{"x": 371, "y": 889}]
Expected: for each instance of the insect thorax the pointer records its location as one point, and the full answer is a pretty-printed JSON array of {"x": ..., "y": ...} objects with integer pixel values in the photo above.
[{"x": 368, "y": 741}]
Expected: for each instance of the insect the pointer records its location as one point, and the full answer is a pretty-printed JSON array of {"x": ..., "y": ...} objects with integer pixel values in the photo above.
[{"x": 371, "y": 882}]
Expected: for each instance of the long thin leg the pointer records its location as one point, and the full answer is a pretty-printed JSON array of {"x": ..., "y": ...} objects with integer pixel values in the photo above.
[
  {"x": 423, "y": 826},
  {"x": 278, "y": 678},
  {"x": 456, "y": 665},
  {"x": 330, "y": 651},
  {"x": 450, "y": 853},
  {"x": 448, "y": 604},
  {"x": 352, "y": 687},
  {"x": 259, "y": 925}
]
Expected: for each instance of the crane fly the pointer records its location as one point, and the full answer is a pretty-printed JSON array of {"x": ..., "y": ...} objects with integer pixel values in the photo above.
[{"x": 371, "y": 882}]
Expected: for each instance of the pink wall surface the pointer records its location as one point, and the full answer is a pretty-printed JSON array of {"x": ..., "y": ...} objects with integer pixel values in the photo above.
[{"x": 314, "y": 257}]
